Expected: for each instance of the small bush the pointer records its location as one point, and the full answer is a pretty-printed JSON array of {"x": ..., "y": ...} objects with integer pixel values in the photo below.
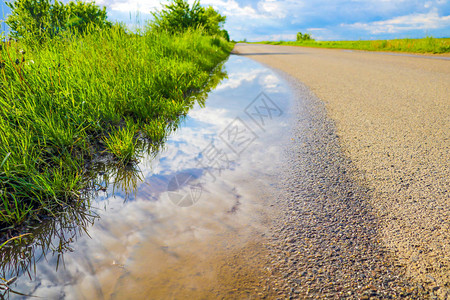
[{"x": 303, "y": 37}]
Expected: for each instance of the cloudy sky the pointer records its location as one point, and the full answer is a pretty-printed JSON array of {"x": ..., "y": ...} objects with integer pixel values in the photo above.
[{"x": 324, "y": 19}]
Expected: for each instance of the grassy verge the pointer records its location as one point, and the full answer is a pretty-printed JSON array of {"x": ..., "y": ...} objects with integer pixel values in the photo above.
[
  {"x": 425, "y": 45},
  {"x": 63, "y": 102}
]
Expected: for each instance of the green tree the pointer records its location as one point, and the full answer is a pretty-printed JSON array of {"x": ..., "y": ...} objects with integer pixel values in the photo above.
[
  {"x": 82, "y": 15},
  {"x": 303, "y": 37},
  {"x": 28, "y": 18},
  {"x": 212, "y": 21},
  {"x": 40, "y": 19},
  {"x": 178, "y": 16}
]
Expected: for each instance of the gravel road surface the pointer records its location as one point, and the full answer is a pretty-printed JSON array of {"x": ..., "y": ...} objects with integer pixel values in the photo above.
[{"x": 367, "y": 193}]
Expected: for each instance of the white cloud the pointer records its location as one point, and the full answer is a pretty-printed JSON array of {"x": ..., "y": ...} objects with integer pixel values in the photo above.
[
  {"x": 270, "y": 82},
  {"x": 273, "y": 8},
  {"x": 235, "y": 80},
  {"x": 430, "y": 20},
  {"x": 217, "y": 118},
  {"x": 258, "y": 20},
  {"x": 232, "y": 8}
]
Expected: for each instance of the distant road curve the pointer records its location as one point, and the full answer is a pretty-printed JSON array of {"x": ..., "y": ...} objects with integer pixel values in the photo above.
[{"x": 392, "y": 113}]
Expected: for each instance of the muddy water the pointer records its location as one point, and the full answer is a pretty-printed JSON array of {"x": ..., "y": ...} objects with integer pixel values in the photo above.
[{"x": 193, "y": 220}]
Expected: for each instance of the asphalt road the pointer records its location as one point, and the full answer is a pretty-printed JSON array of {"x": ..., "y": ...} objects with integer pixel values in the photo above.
[{"x": 392, "y": 120}]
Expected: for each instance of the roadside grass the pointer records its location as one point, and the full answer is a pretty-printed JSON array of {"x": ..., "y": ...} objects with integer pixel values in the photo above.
[
  {"x": 64, "y": 102},
  {"x": 122, "y": 142},
  {"x": 424, "y": 45}
]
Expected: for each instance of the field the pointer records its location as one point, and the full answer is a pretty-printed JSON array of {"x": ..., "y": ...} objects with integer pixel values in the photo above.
[
  {"x": 67, "y": 102},
  {"x": 424, "y": 45}
]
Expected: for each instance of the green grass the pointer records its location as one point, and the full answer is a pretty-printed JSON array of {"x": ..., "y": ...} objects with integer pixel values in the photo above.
[
  {"x": 122, "y": 142},
  {"x": 64, "y": 102},
  {"x": 425, "y": 45}
]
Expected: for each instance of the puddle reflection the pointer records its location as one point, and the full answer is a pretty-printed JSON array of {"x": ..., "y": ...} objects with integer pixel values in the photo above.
[{"x": 190, "y": 218}]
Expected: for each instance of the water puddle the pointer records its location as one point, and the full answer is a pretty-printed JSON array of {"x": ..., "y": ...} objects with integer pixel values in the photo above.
[{"x": 188, "y": 222}]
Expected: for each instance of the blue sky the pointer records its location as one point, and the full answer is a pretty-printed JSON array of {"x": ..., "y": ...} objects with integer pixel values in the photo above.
[{"x": 325, "y": 19}]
